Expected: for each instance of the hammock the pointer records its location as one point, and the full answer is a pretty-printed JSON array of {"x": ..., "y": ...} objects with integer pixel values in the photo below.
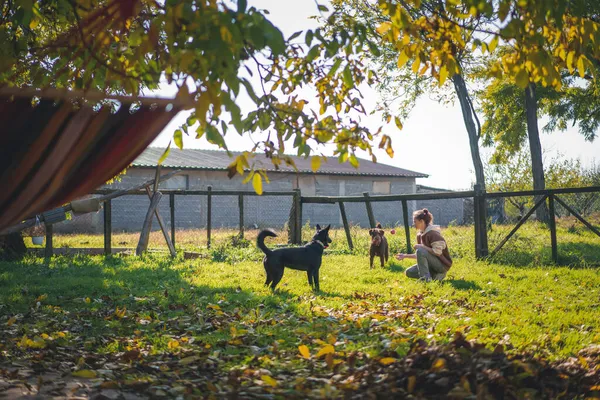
[{"x": 54, "y": 152}]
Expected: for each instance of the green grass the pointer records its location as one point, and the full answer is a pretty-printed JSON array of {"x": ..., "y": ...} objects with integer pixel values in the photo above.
[{"x": 216, "y": 308}]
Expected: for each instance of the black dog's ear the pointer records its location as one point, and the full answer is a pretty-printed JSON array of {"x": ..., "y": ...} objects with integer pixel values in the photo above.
[
  {"x": 371, "y": 232},
  {"x": 327, "y": 227},
  {"x": 318, "y": 227},
  {"x": 379, "y": 226}
]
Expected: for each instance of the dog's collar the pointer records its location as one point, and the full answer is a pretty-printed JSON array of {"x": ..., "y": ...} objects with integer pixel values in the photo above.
[{"x": 319, "y": 242}]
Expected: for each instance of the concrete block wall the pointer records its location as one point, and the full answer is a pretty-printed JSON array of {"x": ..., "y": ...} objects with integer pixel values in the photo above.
[{"x": 128, "y": 212}]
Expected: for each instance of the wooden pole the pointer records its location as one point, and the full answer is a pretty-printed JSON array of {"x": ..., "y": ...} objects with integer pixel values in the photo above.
[
  {"x": 298, "y": 216},
  {"x": 406, "y": 226},
  {"x": 163, "y": 226},
  {"x": 369, "y": 210},
  {"x": 49, "y": 252},
  {"x": 292, "y": 221},
  {"x": 346, "y": 225},
  {"x": 241, "y": 206},
  {"x": 208, "y": 215},
  {"x": 553, "y": 228},
  {"x": 107, "y": 227},
  {"x": 172, "y": 209},
  {"x": 145, "y": 235}
]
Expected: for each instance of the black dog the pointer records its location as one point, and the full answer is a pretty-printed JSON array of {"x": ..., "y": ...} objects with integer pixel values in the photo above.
[
  {"x": 379, "y": 245},
  {"x": 306, "y": 258}
]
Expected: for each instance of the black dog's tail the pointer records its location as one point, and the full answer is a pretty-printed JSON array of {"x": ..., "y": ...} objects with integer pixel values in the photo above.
[{"x": 260, "y": 241}]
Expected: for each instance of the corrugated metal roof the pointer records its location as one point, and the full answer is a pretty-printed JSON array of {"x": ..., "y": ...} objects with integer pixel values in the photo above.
[{"x": 216, "y": 160}]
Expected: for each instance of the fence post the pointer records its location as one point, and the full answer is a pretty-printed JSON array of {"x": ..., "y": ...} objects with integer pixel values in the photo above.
[
  {"x": 369, "y": 210},
  {"x": 49, "y": 252},
  {"x": 107, "y": 227},
  {"x": 406, "y": 226},
  {"x": 298, "y": 216},
  {"x": 241, "y": 205},
  {"x": 346, "y": 226},
  {"x": 479, "y": 220},
  {"x": 553, "y": 228},
  {"x": 172, "y": 209},
  {"x": 208, "y": 215}
]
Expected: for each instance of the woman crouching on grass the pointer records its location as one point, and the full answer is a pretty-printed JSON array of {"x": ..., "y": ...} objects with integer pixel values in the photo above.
[{"x": 431, "y": 250}]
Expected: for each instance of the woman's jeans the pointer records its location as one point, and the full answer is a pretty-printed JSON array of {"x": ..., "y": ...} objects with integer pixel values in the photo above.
[{"x": 428, "y": 267}]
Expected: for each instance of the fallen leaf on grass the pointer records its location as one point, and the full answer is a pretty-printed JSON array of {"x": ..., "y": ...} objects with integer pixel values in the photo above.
[
  {"x": 268, "y": 380},
  {"x": 438, "y": 364},
  {"x": 85, "y": 373},
  {"x": 304, "y": 351},
  {"x": 327, "y": 349},
  {"x": 189, "y": 360},
  {"x": 387, "y": 360},
  {"x": 412, "y": 381}
]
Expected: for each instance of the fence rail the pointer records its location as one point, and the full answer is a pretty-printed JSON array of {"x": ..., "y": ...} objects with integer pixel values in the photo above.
[{"x": 295, "y": 217}]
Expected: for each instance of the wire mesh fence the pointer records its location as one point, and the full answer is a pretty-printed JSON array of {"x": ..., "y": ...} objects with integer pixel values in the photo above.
[{"x": 235, "y": 218}]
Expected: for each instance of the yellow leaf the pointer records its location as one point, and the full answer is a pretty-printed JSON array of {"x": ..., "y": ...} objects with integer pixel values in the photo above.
[
  {"x": 402, "y": 59},
  {"x": 88, "y": 300},
  {"x": 398, "y": 123},
  {"x": 315, "y": 163},
  {"x": 257, "y": 184},
  {"x": 85, "y": 373},
  {"x": 387, "y": 360},
  {"x": 173, "y": 344},
  {"x": 268, "y": 380},
  {"x": 11, "y": 321},
  {"x": 412, "y": 381},
  {"x": 443, "y": 74},
  {"x": 42, "y": 297},
  {"x": 331, "y": 339},
  {"x": 584, "y": 362},
  {"x": 34, "y": 22},
  {"x": 493, "y": 44},
  {"x": 522, "y": 78},
  {"x": 304, "y": 351},
  {"x": 438, "y": 364},
  {"x": 383, "y": 28},
  {"x": 327, "y": 349},
  {"x": 581, "y": 66}
]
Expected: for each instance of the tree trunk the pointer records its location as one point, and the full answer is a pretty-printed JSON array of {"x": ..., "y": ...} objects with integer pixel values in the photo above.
[
  {"x": 535, "y": 147},
  {"x": 467, "y": 112}
]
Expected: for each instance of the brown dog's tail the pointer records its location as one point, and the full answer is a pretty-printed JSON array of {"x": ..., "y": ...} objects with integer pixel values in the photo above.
[{"x": 260, "y": 241}]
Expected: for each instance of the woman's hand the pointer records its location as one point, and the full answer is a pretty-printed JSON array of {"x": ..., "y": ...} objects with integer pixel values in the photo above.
[{"x": 400, "y": 256}]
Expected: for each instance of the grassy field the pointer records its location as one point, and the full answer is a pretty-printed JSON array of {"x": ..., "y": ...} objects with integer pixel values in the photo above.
[{"x": 207, "y": 327}]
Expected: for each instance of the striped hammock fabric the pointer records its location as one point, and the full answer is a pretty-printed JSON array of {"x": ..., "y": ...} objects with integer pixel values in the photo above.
[{"x": 53, "y": 152}]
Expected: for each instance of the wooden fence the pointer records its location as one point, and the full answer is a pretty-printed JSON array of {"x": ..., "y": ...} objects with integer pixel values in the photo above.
[{"x": 295, "y": 218}]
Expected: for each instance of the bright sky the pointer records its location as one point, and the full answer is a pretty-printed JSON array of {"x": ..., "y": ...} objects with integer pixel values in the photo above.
[{"x": 433, "y": 141}]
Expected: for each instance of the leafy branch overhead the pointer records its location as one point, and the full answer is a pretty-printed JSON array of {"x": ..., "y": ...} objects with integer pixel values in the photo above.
[{"x": 216, "y": 52}]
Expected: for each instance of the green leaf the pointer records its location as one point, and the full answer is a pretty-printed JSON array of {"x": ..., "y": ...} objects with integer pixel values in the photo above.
[
  {"x": 242, "y": 4},
  {"x": 178, "y": 138},
  {"x": 347, "y": 75},
  {"x": 294, "y": 36},
  {"x": 334, "y": 67},
  {"x": 323, "y": 8},
  {"x": 213, "y": 136},
  {"x": 309, "y": 37}
]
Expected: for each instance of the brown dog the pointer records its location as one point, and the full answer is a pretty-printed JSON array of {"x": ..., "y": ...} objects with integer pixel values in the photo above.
[{"x": 379, "y": 245}]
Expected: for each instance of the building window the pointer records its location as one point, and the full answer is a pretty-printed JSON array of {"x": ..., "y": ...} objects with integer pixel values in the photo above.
[
  {"x": 382, "y": 187},
  {"x": 177, "y": 182}
]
